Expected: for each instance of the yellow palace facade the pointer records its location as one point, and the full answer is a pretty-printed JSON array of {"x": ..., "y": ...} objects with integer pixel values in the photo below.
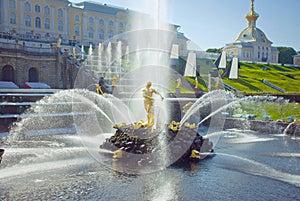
[
  {"x": 83, "y": 23},
  {"x": 50, "y": 19}
]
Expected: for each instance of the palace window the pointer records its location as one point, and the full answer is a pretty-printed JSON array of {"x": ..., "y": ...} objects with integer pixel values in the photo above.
[
  {"x": 77, "y": 18},
  {"x": 91, "y": 20},
  {"x": 38, "y": 22},
  {"x": 28, "y": 21},
  {"x": 27, "y": 7},
  {"x": 12, "y": 4},
  {"x": 37, "y": 8},
  {"x": 7, "y": 73},
  {"x": 91, "y": 32},
  {"x": 101, "y": 34},
  {"x": 47, "y": 23},
  {"x": 60, "y": 25},
  {"x": 47, "y": 10},
  {"x": 13, "y": 18},
  {"x": 60, "y": 13},
  {"x": 101, "y": 22},
  {"x": 111, "y": 23},
  {"x": 110, "y": 33}
]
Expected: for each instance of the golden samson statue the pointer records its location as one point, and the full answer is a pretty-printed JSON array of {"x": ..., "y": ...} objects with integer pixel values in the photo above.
[{"x": 149, "y": 102}]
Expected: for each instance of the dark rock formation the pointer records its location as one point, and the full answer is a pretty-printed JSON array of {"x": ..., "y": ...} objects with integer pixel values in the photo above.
[
  {"x": 140, "y": 140},
  {"x": 1, "y": 154}
]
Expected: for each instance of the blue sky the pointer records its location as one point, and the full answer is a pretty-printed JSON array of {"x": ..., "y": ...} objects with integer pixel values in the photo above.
[{"x": 213, "y": 23}]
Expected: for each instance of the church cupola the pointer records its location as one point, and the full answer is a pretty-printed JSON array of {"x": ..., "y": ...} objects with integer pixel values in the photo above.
[
  {"x": 252, "y": 16},
  {"x": 252, "y": 44}
]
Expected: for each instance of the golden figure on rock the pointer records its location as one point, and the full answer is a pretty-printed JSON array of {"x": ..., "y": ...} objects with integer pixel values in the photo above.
[
  {"x": 149, "y": 101},
  {"x": 178, "y": 83},
  {"x": 74, "y": 53},
  {"x": 114, "y": 82},
  {"x": 58, "y": 43},
  {"x": 99, "y": 90},
  {"x": 196, "y": 83}
]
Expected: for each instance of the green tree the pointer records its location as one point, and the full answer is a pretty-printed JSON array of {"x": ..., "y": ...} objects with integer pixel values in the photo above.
[
  {"x": 286, "y": 55},
  {"x": 215, "y": 50}
]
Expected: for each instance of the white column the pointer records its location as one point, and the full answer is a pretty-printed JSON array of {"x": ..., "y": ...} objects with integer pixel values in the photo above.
[{"x": 254, "y": 55}]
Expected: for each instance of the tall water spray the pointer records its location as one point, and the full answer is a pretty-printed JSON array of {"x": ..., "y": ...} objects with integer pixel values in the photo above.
[
  {"x": 149, "y": 52},
  {"x": 108, "y": 55},
  {"x": 118, "y": 57},
  {"x": 152, "y": 42},
  {"x": 99, "y": 67}
]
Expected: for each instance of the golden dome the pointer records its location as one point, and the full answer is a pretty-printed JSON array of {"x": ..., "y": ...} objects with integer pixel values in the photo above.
[{"x": 252, "y": 15}]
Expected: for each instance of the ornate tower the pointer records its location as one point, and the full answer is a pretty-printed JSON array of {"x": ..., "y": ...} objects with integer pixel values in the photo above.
[
  {"x": 252, "y": 44},
  {"x": 252, "y": 16}
]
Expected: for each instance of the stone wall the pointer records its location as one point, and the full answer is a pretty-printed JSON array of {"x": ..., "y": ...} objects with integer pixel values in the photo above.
[
  {"x": 53, "y": 67},
  {"x": 256, "y": 125}
]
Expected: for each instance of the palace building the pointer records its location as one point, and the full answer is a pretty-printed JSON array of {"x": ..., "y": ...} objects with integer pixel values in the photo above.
[
  {"x": 296, "y": 60},
  {"x": 82, "y": 23},
  {"x": 251, "y": 44},
  {"x": 30, "y": 31}
]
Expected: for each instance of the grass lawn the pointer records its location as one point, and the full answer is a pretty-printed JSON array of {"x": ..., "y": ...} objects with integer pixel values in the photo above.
[
  {"x": 251, "y": 76},
  {"x": 275, "y": 110},
  {"x": 250, "y": 82}
]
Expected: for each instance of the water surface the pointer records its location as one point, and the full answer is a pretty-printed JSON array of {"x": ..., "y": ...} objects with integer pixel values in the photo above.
[{"x": 247, "y": 166}]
